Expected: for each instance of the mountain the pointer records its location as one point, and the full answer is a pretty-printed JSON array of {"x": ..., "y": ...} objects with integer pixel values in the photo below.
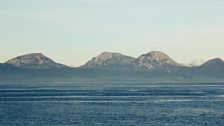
[
  {"x": 154, "y": 59},
  {"x": 109, "y": 60},
  {"x": 216, "y": 62},
  {"x": 34, "y": 61},
  {"x": 151, "y": 60},
  {"x": 213, "y": 68},
  {"x": 154, "y": 66}
]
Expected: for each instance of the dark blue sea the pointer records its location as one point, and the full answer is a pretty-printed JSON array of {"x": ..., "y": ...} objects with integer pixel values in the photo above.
[{"x": 112, "y": 104}]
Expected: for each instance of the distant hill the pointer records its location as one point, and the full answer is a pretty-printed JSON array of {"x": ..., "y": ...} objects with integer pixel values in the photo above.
[
  {"x": 34, "y": 61},
  {"x": 213, "y": 68},
  {"x": 117, "y": 61},
  {"x": 154, "y": 59},
  {"x": 213, "y": 63},
  {"x": 154, "y": 66},
  {"x": 109, "y": 60}
]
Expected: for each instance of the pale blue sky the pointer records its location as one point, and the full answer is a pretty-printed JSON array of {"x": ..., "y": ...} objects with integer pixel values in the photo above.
[{"x": 73, "y": 31}]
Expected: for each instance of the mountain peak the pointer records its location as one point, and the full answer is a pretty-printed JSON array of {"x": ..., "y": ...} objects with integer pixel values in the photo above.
[
  {"x": 157, "y": 55},
  {"x": 109, "y": 59},
  {"x": 108, "y": 55},
  {"x": 215, "y": 61},
  {"x": 40, "y": 54},
  {"x": 146, "y": 61},
  {"x": 155, "y": 59},
  {"x": 34, "y": 60}
]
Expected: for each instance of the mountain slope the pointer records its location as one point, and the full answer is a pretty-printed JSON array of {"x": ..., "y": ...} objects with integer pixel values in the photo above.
[
  {"x": 151, "y": 67},
  {"x": 214, "y": 65},
  {"x": 145, "y": 62},
  {"x": 214, "y": 62},
  {"x": 110, "y": 60},
  {"x": 34, "y": 61},
  {"x": 213, "y": 68},
  {"x": 154, "y": 59}
]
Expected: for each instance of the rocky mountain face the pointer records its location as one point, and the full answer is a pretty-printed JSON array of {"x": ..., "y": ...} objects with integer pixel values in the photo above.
[
  {"x": 213, "y": 62},
  {"x": 151, "y": 60},
  {"x": 34, "y": 61},
  {"x": 152, "y": 66},
  {"x": 154, "y": 60},
  {"x": 111, "y": 61}
]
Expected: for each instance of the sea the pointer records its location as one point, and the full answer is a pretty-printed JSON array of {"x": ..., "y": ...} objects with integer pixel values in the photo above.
[{"x": 112, "y": 104}]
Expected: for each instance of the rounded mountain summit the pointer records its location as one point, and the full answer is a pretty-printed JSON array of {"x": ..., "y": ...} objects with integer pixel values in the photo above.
[
  {"x": 110, "y": 60},
  {"x": 34, "y": 61}
]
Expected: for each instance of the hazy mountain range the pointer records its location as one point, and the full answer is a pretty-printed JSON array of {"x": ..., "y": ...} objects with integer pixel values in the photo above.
[{"x": 154, "y": 66}]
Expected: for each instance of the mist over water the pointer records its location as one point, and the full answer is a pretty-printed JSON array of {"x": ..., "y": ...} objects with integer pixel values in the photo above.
[{"x": 112, "y": 104}]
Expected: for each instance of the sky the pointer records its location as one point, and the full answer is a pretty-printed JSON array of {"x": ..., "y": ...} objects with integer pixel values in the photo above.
[{"x": 74, "y": 31}]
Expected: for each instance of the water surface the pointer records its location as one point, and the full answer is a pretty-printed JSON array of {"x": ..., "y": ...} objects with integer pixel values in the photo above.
[{"x": 112, "y": 104}]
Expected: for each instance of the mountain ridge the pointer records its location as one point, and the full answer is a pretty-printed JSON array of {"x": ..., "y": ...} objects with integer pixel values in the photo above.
[
  {"x": 111, "y": 67},
  {"x": 155, "y": 59},
  {"x": 144, "y": 62},
  {"x": 34, "y": 61},
  {"x": 110, "y": 60},
  {"x": 148, "y": 61},
  {"x": 214, "y": 61}
]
